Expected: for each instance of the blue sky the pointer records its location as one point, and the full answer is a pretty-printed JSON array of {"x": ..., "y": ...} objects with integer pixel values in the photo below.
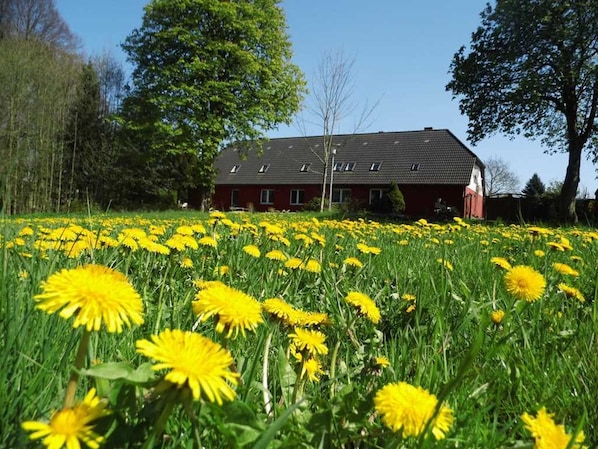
[{"x": 402, "y": 50}]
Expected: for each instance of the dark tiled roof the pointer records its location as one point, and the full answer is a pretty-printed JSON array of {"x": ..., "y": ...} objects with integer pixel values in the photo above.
[{"x": 441, "y": 159}]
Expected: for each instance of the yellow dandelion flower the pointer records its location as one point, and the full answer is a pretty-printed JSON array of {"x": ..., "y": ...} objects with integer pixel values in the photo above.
[
  {"x": 382, "y": 361},
  {"x": 539, "y": 253},
  {"x": 208, "y": 240},
  {"x": 307, "y": 319},
  {"x": 312, "y": 368},
  {"x": 276, "y": 255},
  {"x": 571, "y": 292},
  {"x": 445, "y": 263},
  {"x": 365, "y": 249},
  {"x": 221, "y": 270},
  {"x": 408, "y": 409},
  {"x": 281, "y": 309},
  {"x": 576, "y": 258},
  {"x": 549, "y": 435},
  {"x": 234, "y": 310},
  {"x": 313, "y": 266},
  {"x": 95, "y": 294},
  {"x": 200, "y": 283},
  {"x": 525, "y": 283},
  {"x": 71, "y": 426},
  {"x": 408, "y": 297},
  {"x": 184, "y": 230},
  {"x": 27, "y": 230},
  {"x": 410, "y": 309},
  {"x": 217, "y": 215},
  {"x": 565, "y": 269},
  {"x": 252, "y": 250},
  {"x": 310, "y": 341},
  {"x": 293, "y": 263},
  {"x": 501, "y": 262},
  {"x": 366, "y": 305},
  {"x": 353, "y": 262},
  {"x": 186, "y": 262},
  {"x": 497, "y": 316},
  {"x": 194, "y": 361},
  {"x": 555, "y": 246}
]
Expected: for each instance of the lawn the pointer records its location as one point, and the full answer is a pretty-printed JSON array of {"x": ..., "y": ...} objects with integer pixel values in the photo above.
[{"x": 289, "y": 330}]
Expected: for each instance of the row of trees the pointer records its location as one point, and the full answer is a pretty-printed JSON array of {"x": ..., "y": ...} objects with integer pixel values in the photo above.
[
  {"x": 53, "y": 131},
  {"x": 205, "y": 73}
]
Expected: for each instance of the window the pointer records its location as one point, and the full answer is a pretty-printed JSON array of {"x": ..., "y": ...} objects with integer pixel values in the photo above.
[
  {"x": 264, "y": 168},
  {"x": 414, "y": 167},
  {"x": 235, "y": 168},
  {"x": 341, "y": 195},
  {"x": 338, "y": 166},
  {"x": 305, "y": 168},
  {"x": 267, "y": 196},
  {"x": 350, "y": 166},
  {"x": 376, "y": 195},
  {"x": 234, "y": 198},
  {"x": 297, "y": 197},
  {"x": 375, "y": 166}
]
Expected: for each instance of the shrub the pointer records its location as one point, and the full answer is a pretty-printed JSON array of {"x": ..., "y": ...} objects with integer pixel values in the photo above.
[{"x": 396, "y": 199}]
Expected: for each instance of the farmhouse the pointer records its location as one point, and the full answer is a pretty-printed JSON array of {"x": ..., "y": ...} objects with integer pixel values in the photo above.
[{"x": 432, "y": 168}]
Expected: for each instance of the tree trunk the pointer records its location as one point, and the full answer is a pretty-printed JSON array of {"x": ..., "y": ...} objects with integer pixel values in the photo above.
[{"x": 567, "y": 213}]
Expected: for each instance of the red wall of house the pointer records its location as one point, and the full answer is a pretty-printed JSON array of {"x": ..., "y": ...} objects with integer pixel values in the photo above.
[
  {"x": 419, "y": 200},
  {"x": 249, "y": 197}
]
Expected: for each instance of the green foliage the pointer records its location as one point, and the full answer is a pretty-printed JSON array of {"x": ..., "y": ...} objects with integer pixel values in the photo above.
[
  {"x": 534, "y": 187},
  {"x": 396, "y": 199},
  {"x": 208, "y": 72},
  {"x": 530, "y": 69}
]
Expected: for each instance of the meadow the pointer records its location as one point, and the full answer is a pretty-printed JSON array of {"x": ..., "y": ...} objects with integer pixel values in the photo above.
[{"x": 287, "y": 330}]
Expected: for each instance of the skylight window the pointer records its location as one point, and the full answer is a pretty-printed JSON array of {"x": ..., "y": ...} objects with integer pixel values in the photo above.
[
  {"x": 375, "y": 166},
  {"x": 305, "y": 168},
  {"x": 264, "y": 168},
  {"x": 338, "y": 166},
  {"x": 414, "y": 167},
  {"x": 235, "y": 168},
  {"x": 350, "y": 166}
]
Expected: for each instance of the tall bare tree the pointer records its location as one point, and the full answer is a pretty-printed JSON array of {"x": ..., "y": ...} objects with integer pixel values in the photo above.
[
  {"x": 36, "y": 19},
  {"x": 332, "y": 101},
  {"x": 499, "y": 177}
]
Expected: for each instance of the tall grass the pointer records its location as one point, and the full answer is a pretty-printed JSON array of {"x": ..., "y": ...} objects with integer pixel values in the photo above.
[{"x": 543, "y": 353}]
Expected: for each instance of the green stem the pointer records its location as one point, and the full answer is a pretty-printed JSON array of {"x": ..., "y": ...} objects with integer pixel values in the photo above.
[
  {"x": 266, "y": 392},
  {"x": 160, "y": 423},
  {"x": 71, "y": 388},
  {"x": 333, "y": 368}
]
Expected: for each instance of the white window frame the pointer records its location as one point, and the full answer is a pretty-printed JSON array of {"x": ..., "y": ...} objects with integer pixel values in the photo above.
[
  {"x": 297, "y": 197},
  {"x": 305, "y": 167},
  {"x": 232, "y": 197},
  {"x": 338, "y": 166},
  {"x": 339, "y": 196},
  {"x": 375, "y": 166},
  {"x": 235, "y": 168},
  {"x": 267, "y": 196},
  {"x": 414, "y": 167},
  {"x": 350, "y": 166},
  {"x": 264, "y": 168},
  {"x": 377, "y": 197}
]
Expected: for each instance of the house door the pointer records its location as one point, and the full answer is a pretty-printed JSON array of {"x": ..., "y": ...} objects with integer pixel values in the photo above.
[{"x": 234, "y": 198}]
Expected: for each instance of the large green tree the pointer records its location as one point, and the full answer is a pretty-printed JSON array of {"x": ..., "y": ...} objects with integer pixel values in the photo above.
[
  {"x": 209, "y": 72},
  {"x": 532, "y": 69}
]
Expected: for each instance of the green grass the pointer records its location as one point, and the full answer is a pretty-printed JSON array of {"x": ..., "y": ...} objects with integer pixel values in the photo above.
[{"x": 542, "y": 354}]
